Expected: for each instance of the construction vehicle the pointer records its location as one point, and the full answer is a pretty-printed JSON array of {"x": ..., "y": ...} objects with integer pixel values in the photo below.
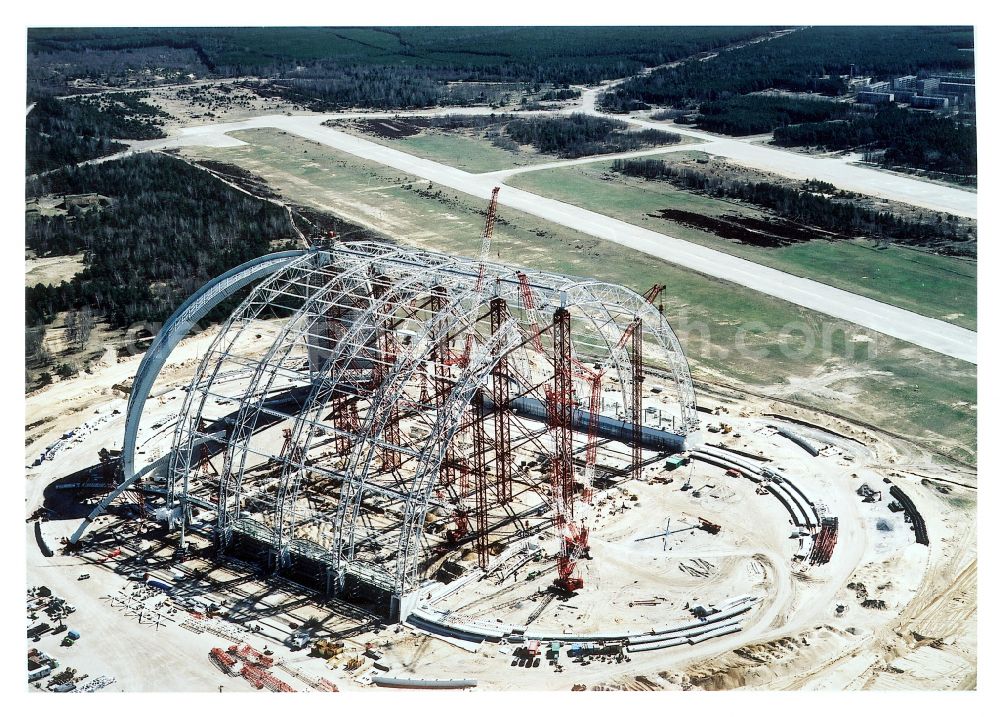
[
  {"x": 38, "y": 630},
  {"x": 565, "y": 566},
  {"x": 327, "y": 648},
  {"x": 709, "y": 527},
  {"x": 868, "y": 494},
  {"x": 461, "y": 529}
]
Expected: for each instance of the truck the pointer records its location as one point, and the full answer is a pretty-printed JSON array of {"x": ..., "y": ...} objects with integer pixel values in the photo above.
[
  {"x": 159, "y": 584},
  {"x": 39, "y": 629}
]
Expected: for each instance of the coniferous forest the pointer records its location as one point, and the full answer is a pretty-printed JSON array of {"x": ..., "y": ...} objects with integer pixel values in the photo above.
[
  {"x": 169, "y": 228},
  {"x": 812, "y": 203}
]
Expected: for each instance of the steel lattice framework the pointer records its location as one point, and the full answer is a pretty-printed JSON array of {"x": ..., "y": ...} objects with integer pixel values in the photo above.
[{"x": 364, "y": 397}]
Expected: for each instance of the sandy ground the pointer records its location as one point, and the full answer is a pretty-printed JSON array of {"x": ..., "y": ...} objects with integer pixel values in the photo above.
[
  {"x": 52, "y": 270},
  {"x": 793, "y": 639}
]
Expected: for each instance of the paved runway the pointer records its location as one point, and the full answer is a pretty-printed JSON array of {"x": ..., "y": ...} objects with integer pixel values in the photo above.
[{"x": 923, "y": 331}]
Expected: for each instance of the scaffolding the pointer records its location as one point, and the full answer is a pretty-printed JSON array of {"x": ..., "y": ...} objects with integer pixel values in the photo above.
[{"x": 364, "y": 399}]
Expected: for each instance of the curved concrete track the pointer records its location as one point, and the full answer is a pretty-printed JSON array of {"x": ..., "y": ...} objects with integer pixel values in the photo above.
[{"x": 923, "y": 331}]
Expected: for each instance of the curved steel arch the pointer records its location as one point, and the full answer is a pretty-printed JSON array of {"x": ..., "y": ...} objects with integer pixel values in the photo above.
[
  {"x": 177, "y": 327},
  {"x": 322, "y": 393},
  {"x": 334, "y": 308},
  {"x": 174, "y": 329}
]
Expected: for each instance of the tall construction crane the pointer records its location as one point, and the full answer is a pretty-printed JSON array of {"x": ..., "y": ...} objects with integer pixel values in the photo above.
[
  {"x": 593, "y": 377},
  {"x": 528, "y": 303},
  {"x": 484, "y": 254},
  {"x": 649, "y": 296},
  {"x": 653, "y": 291},
  {"x": 574, "y": 537}
]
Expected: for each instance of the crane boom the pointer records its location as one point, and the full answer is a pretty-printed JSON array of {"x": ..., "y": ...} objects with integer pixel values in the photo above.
[
  {"x": 484, "y": 247},
  {"x": 528, "y": 303},
  {"x": 484, "y": 255}
]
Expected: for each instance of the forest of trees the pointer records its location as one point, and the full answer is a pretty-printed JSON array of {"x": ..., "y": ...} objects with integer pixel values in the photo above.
[
  {"x": 63, "y": 132},
  {"x": 754, "y": 114},
  {"x": 385, "y": 88},
  {"x": 567, "y": 137},
  {"x": 54, "y": 69},
  {"x": 495, "y": 54},
  {"x": 910, "y": 139},
  {"x": 799, "y": 61},
  {"x": 810, "y": 203},
  {"x": 578, "y": 135},
  {"x": 169, "y": 229}
]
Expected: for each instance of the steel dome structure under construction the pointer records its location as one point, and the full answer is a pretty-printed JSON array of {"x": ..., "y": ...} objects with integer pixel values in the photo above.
[{"x": 370, "y": 411}]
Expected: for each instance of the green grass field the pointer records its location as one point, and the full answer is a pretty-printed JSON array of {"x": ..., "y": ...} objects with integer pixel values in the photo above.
[
  {"x": 462, "y": 150},
  {"x": 730, "y": 333},
  {"x": 473, "y": 154},
  {"x": 938, "y": 286}
]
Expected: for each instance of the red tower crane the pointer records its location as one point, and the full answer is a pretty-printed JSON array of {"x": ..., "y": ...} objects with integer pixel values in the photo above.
[
  {"x": 528, "y": 302},
  {"x": 637, "y": 378},
  {"x": 484, "y": 254},
  {"x": 501, "y": 410},
  {"x": 559, "y": 404}
]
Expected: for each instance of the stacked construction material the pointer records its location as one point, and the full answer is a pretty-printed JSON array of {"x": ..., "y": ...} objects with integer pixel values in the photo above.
[
  {"x": 255, "y": 668},
  {"x": 250, "y": 655},
  {"x": 825, "y": 542},
  {"x": 917, "y": 520},
  {"x": 260, "y": 678},
  {"x": 222, "y": 660},
  {"x": 797, "y": 439}
]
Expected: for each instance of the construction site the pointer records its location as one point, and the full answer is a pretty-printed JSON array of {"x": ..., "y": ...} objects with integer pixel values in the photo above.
[{"x": 392, "y": 467}]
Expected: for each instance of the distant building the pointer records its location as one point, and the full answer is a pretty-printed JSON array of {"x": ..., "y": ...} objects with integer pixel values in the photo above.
[
  {"x": 929, "y": 86},
  {"x": 878, "y": 87},
  {"x": 929, "y": 102},
  {"x": 904, "y": 95},
  {"x": 908, "y": 82},
  {"x": 963, "y": 79},
  {"x": 82, "y": 201},
  {"x": 875, "y": 98},
  {"x": 964, "y": 91}
]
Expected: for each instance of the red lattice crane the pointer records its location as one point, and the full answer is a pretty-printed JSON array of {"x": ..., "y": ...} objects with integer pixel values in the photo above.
[
  {"x": 528, "y": 302},
  {"x": 593, "y": 377},
  {"x": 479, "y": 469},
  {"x": 638, "y": 377},
  {"x": 652, "y": 292},
  {"x": 649, "y": 296},
  {"x": 484, "y": 255},
  {"x": 559, "y": 404},
  {"x": 391, "y": 458},
  {"x": 501, "y": 409}
]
